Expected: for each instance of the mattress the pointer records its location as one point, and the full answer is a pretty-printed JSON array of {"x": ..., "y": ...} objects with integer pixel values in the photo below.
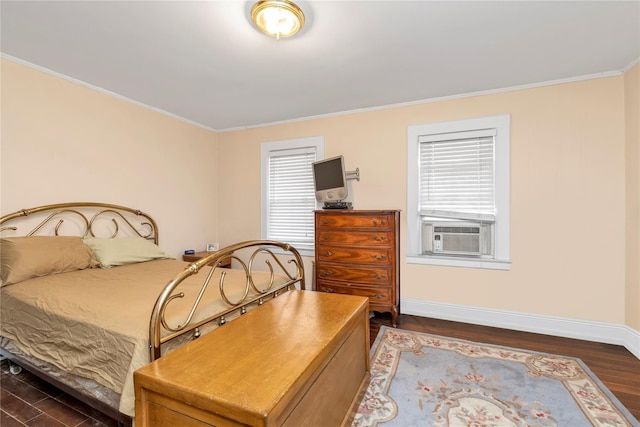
[{"x": 94, "y": 323}]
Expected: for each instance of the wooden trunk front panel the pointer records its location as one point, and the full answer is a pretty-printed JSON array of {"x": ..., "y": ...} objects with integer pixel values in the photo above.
[
  {"x": 302, "y": 356},
  {"x": 333, "y": 394},
  {"x": 357, "y": 253}
]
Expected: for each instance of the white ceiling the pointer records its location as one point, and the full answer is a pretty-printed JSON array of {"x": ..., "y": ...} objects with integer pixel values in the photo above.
[{"x": 205, "y": 62}]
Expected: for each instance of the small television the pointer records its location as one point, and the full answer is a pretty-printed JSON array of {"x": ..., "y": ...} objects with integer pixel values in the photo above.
[{"x": 330, "y": 180}]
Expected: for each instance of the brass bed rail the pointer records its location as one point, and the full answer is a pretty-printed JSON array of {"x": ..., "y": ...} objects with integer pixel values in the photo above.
[
  {"x": 266, "y": 247},
  {"x": 88, "y": 214}
]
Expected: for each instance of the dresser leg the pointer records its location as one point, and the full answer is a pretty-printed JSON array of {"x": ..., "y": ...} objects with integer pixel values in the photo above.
[{"x": 394, "y": 316}]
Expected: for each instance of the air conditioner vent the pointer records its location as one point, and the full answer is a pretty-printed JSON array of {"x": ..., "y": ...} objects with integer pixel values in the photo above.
[
  {"x": 457, "y": 238},
  {"x": 441, "y": 229}
]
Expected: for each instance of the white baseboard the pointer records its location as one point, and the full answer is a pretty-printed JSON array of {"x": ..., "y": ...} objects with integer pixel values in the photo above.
[{"x": 609, "y": 333}]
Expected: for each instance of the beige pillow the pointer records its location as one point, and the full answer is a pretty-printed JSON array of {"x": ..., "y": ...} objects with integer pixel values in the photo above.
[
  {"x": 23, "y": 258},
  {"x": 123, "y": 250}
]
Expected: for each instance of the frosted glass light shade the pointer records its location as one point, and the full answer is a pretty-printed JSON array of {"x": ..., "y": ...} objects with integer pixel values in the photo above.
[{"x": 278, "y": 18}]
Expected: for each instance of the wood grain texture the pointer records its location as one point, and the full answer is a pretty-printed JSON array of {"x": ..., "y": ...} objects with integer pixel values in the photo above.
[
  {"x": 300, "y": 356},
  {"x": 357, "y": 253}
]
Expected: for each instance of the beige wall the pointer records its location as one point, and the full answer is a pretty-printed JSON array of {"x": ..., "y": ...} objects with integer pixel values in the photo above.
[
  {"x": 63, "y": 142},
  {"x": 574, "y": 162},
  {"x": 632, "y": 110},
  {"x": 567, "y": 185}
]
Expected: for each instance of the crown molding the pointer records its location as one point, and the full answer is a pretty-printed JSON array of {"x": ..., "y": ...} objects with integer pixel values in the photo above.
[
  {"x": 101, "y": 90},
  {"x": 614, "y": 73}
]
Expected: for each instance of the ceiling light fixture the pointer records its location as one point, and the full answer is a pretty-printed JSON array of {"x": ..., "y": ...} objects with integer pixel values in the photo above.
[{"x": 278, "y": 18}]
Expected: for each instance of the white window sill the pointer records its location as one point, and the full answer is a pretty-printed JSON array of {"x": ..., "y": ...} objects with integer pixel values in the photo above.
[
  {"x": 307, "y": 252},
  {"x": 488, "y": 264}
]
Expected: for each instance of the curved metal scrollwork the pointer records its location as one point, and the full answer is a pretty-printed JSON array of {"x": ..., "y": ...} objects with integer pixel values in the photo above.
[
  {"x": 166, "y": 325},
  {"x": 283, "y": 269},
  {"x": 249, "y": 283},
  {"x": 82, "y": 211},
  {"x": 68, "y": 212},
  {"x": 132, "y": 227},
  {"x": 246, "y": 284},
  {"x": 159, "y": 322}
]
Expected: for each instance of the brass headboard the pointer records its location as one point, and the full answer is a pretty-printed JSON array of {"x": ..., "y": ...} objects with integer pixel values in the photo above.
[{"x": 88, "y": 218}]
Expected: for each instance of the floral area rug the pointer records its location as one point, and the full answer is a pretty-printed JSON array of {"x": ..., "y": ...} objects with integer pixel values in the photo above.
[{"x": 419, "y": 379}]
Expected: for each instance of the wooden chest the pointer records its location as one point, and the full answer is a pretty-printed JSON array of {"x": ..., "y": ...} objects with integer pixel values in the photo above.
[
  {"x": 357, "y": 253},
  {"x": 299, "y": 359}
]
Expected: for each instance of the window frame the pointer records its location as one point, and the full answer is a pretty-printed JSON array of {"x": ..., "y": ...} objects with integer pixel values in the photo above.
[
  {"x": 267, "y": 149},
  {"x": 502, "y": 164}
]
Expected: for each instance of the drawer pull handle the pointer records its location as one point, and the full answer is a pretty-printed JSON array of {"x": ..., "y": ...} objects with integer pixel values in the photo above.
[
  {"x": 327, "y": 253},
  {"x": 378, "y": 296},
  {"x": 379, "y": 238},
  {"x": 379, "y": 257},
  {"x": 328, "y": 290},
  {"x": 376, "y": 223},
  {"x": 326, "y": 236},
  {"x": 378, "y": 276},
  {"x": 326, "y": 221},
  {"x": 326, "y": 272}
]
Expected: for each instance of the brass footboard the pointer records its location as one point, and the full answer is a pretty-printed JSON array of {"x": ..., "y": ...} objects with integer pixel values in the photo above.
[{"x": 159, "y": 326}]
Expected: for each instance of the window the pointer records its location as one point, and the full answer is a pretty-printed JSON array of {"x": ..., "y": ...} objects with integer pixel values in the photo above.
[
  {"x": 288, "y": 196},
  {"x": 458, "y": 193}
]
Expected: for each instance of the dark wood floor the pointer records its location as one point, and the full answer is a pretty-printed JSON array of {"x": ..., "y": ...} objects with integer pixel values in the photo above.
[{"x": 27, "y": 401}]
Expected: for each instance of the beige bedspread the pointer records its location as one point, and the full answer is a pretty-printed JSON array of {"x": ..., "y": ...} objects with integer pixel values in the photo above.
[{"x": 95, "y": 323}]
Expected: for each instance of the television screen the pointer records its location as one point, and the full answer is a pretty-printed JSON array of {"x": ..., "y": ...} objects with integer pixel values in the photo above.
[{"x": 330, "y": 180}]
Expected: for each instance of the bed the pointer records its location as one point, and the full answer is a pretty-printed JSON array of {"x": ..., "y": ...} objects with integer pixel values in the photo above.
[{"x": 88, "y": 297}]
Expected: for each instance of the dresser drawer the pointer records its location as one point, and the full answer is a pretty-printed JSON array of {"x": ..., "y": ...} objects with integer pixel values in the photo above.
[
  {"x": 372, "y": 275},
  {"x": 356, "y": 255},
  {"x": 380, "y": 221},
  {"x": 376, "y": 295},
  {"x": 362, "y": 238}
]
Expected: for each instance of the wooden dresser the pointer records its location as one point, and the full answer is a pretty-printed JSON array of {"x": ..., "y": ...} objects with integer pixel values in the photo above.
[
  {"x": 301, "y": 359},
  {"x": 357, "y": 253}
]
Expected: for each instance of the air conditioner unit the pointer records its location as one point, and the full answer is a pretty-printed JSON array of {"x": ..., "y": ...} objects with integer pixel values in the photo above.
[{"x": 457, "y": 238}]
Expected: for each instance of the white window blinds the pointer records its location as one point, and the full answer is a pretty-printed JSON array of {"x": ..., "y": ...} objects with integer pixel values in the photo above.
[
  {"x": 291, "y": 196},
  {"x": 457, "y": 175}
]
